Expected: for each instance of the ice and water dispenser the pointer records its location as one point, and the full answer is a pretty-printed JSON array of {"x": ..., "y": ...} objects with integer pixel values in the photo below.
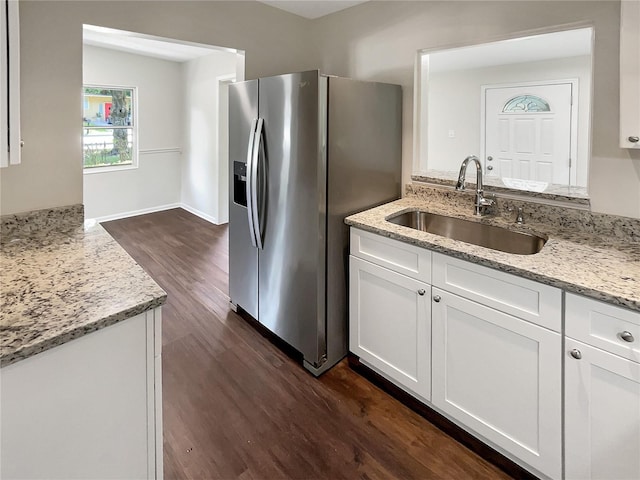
[{"x": 240, "y": 183}]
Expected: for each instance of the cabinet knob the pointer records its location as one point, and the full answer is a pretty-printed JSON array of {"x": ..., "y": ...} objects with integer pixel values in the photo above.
[
  {"x": 627, "y": 336},
  {"x": 421, "y": 292},
  {"x": 634, "y": 139},
  {"x": 489, "y": 167},
  {"x": 575, "y": 353},
  {"x": 437, "y": 298}
]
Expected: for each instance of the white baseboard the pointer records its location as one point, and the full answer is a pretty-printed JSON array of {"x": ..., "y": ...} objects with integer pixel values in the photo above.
[
  {"x": 198, "y": 213},
  {"x": 134, "y": 213}
]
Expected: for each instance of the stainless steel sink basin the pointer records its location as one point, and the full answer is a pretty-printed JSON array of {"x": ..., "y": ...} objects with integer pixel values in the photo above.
[{"x": 488, "y": 236}]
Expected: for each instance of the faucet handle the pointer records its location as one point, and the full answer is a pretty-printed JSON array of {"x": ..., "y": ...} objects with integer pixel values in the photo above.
[
  {"x": 484, "y": 203},
  {"x": 520, "y": 217},
  {"x": 487, "y": 201}
]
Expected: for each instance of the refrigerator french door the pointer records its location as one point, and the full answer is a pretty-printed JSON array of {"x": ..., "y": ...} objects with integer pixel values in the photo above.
[{"x": 305, "y": 151}]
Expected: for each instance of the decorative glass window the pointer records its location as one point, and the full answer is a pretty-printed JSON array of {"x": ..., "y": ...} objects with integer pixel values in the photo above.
[
  {"x": 525, "y": 104},
  {"x": 109, "y": 127}
]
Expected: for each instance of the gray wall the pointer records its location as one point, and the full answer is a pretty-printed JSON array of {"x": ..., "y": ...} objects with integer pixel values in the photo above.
[
  {"x": 376, "y": 40},
  {"x": 379, "y": 40},
  {"x": 51, "y": 67}
]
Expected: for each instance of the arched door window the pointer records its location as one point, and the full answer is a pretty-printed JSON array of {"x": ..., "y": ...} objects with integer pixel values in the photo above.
[{"x": 526, "y": 104}]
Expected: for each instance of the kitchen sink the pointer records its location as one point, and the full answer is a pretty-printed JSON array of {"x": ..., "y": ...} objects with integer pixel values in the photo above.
[{"x": 489, "y": 236}]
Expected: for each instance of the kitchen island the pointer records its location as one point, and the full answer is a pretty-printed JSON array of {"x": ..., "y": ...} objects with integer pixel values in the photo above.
[{"x": 80, "y": 351}]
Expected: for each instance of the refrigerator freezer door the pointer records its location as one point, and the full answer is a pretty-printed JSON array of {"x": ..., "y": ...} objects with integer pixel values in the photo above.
[
  {"x": 243, "y": 257},
  {"x": 292, "y": 262}
]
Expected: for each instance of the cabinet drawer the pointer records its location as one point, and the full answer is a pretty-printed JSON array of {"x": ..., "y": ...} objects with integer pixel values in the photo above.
[
  {"x": 539, "y": 304},
  {"x": 409, "y": 260},
  {"x": 602, "y": 325}
]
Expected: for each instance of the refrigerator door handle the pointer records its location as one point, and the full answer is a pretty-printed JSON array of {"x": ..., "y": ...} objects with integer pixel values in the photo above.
[
  {"x": 258, "y": 153},
  {"x": 250, "y": 182}
]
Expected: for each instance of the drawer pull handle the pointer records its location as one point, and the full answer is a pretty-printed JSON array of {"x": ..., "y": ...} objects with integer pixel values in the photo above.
[
  {"x": 421, "y": 292},
  {"x": 437, "y": 298},
  {"x": 575, "y": 353},
  {"x": 627, "y": 336}
]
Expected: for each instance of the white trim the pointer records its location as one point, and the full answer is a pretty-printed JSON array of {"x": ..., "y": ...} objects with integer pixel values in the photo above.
[
  {"x": 198, "y": 213},
  {"x": 4, "y": 89},
  {"x": 161, "y": 208},
  {"x": 134, "y": 213},
  {"x": 419, "y": 117},
  {"x": 150, "y": 151},
  {"x": 229, "y": 77},
  {"x": 223, "y": 163},
  {"x": 111, "y": 168},
  {"x": 15, "y": 137},
  {"x": 126, "y": 33},
  {"x": 511, "y": 36},
  {"x": 10, "y": 137},
  {"x": 131, "y": 166}
]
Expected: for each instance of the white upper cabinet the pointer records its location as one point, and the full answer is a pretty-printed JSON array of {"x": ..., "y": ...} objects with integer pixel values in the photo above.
[
  {"x": 10, "y": 141},
  {"x": 630, "y": 74}
]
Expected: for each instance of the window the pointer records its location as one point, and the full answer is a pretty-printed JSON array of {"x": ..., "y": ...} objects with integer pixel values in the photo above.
[
  {"x": 109, "y": 126},
  {"x": 525, "y": 104}
]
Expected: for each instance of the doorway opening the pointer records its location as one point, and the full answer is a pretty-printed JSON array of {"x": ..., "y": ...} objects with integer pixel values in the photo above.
[{"x": 180, "y": 124}]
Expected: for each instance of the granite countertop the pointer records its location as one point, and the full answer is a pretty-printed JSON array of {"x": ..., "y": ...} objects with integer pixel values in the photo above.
[
  {"x": 601, "y": 265},
  {"x": 60, "y": 284}
]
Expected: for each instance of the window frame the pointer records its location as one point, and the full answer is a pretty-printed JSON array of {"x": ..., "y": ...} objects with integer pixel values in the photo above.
[{"x": 135, "y": 118}]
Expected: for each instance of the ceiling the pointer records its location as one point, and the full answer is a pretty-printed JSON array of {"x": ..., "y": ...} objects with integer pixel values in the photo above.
[
  {"x": 139, "y": 44},
  {"x": 312, "y": 8}
]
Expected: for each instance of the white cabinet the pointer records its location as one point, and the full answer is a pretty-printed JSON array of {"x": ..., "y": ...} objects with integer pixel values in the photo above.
[
  {"x": 90, "y": 408},
  {"x": 630, "y": 74},
  {"x": 602, "y": 391},
  {"x": 499, "y": 376},
  {"x": 409, "y": 260},
  {"x": 602, "y": 414},
  {"x": 485, "y": 348},
  {"x": 482, "y": 347},
  {"x": 532, "y": 301},
  {"x": 390, "y": 309},
  {"x": 10, "y": 140},
  {"x": 390, "y": 324}
]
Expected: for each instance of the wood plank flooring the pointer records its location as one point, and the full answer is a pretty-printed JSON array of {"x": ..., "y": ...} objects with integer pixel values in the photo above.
[{"x": 236, "y": 407}]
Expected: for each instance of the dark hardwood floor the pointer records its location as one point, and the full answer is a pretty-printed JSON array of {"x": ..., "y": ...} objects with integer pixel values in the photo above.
[{"x": 236, "y": 407}]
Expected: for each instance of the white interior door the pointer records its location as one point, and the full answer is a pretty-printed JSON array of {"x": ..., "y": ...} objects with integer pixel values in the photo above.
[{"x": 528, "y": 132}]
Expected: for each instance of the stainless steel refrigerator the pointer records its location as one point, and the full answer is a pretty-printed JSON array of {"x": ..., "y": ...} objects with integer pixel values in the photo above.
[{"x": 305, "y": 150}]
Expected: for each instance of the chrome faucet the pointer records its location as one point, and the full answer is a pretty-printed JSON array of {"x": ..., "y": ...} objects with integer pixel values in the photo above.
[{"x": 481, "y": 202}]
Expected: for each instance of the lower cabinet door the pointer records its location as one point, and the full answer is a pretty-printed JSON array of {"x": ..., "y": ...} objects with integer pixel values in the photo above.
[
  {"x": 500, "y": 376},
  {"x": 602, "y": 414},
  {"x": 81, "y": 410},
  {"x": 389, "y": 324}
]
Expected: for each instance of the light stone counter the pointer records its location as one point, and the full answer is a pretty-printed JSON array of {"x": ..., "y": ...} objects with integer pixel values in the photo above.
[
  {"x": 60, "y": 283},
  {"x": 594, "y": 255}
]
